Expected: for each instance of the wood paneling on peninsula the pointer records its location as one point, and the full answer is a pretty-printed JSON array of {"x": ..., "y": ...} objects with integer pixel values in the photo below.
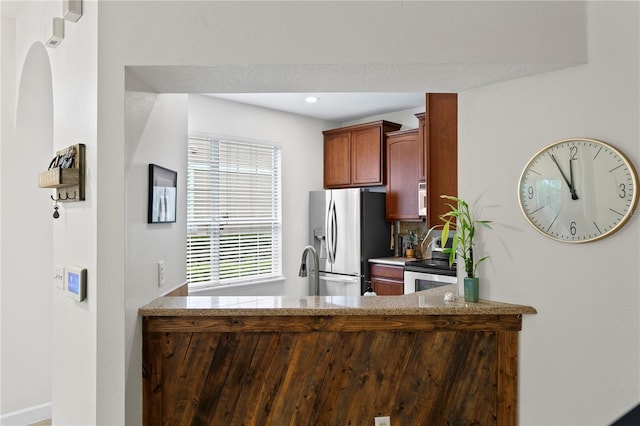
[{"x": 306, "y": 363}]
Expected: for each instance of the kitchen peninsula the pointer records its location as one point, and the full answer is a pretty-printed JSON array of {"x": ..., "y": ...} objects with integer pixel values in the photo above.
[{"x": 330, "y": 360}]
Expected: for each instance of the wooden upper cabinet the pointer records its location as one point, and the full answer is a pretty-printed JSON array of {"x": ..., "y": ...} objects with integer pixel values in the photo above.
[
  {"x": 422, "y": 132},
  {"x": 403, "y": 174},
  {"x": 337, "y": 160},
  {"x": 441, "y": 152},
  {"x": 367, "y": 157},
  {"x": 354, "y": 155}
]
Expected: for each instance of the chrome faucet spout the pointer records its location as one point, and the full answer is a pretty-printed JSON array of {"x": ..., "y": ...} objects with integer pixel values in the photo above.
[{"x": 316, "y": 266}]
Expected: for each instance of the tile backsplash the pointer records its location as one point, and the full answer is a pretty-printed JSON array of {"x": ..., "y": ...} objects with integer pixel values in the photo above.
[{"x": 419, "y": 228}]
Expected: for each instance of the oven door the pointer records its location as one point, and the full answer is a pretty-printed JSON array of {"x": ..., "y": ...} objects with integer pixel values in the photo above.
[{"x": 418, "y": 281}]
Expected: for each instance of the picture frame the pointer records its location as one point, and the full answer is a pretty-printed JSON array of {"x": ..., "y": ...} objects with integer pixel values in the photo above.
[{"x": 163, "y": 188}]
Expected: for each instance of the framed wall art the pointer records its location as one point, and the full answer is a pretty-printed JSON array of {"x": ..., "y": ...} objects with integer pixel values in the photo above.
[{"x": 163, "y": 186}]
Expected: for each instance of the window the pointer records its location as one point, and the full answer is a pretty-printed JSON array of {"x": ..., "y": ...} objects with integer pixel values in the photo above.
[{"x": 233, "y": 212}]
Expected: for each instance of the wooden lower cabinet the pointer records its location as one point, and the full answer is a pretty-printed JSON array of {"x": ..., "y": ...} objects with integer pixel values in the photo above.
[
  {"x": 330, "y": 369},
  {"x": 387, "y": 280}
]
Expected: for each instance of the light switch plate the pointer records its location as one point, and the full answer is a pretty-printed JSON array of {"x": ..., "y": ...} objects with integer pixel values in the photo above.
[{"x": 58, "y": 276}]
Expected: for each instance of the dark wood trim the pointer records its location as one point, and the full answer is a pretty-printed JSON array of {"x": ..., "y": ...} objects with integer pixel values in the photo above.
[
  {"x": 346, "y": 323},
  {"x": 383, "y": 124},
  {"x": 507, "y": 378}
]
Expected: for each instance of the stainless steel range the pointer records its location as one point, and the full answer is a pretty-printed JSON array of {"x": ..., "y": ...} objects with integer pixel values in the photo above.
[{"x": 432, "y": 272}]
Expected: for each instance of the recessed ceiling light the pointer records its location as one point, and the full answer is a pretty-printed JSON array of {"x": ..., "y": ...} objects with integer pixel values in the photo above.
[{"x": 311, "y": 99}]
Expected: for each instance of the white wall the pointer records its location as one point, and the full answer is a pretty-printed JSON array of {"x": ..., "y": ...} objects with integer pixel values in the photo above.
[
  {"x": 27, "y": 240},
  {"x": 579, "y": 355},
  {"x": 417, "y": 38},
  {"x": 55, "y": 92},
  {"x": 156, "y": 132},
  {"x": 301, "y": 142},
  {"x": 293, "y": 34},
  {"x": 406, "y": 117}
]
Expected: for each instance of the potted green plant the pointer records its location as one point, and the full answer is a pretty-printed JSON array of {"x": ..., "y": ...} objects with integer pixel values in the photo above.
[
  {"x": 463, "y": 242},
  {"x": 412, "y": 240}
]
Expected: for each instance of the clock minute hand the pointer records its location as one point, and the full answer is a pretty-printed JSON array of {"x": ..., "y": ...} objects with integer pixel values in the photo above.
[{"x": 571, "y": 190}]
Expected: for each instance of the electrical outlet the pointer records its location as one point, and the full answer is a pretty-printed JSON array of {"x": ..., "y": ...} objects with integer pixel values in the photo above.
[
  {"x": 383, "y": 421},
  {"x": 160, "y": 273},
  {"x": 58, "y": 276}
]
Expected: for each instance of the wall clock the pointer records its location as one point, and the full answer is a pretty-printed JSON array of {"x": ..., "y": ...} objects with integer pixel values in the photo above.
[{"x": 578, "y": 190}]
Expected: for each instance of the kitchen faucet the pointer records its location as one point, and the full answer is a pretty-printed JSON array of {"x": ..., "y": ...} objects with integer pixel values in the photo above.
[{"x": 303, "y": 268}]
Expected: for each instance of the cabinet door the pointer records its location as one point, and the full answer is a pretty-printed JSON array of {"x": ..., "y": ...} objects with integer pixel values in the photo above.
[
  {"x": 366, "y": 157},
  {"x": 385, "y": 287},
  {"x": 442, "y": 153},
  {"x": 387, "y": 280},
  {"x": 337, "y": 160},
  {"x": 403, "y": 175}
]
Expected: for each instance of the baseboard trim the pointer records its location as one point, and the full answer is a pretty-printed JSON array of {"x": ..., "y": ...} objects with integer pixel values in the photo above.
[{"x": 27, "y": 416}]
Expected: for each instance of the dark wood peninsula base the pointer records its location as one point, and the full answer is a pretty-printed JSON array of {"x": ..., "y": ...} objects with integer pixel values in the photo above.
[{"x": 331, "y": 368}]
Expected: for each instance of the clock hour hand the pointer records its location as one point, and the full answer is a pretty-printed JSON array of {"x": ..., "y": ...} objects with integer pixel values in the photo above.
[{"x": 574, "y": 196}]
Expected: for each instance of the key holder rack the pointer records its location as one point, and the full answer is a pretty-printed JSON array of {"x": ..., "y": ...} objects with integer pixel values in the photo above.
[{"x": 65, "y": 175}]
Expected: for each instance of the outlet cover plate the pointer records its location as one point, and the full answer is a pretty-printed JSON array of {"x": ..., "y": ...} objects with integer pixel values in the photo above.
[
  {"x": 383, "y": 421},
  {"x": 161, "y": 272}
]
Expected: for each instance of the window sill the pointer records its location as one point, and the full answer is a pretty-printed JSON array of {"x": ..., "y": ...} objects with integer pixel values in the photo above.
[{"x": 252, "y": 286}]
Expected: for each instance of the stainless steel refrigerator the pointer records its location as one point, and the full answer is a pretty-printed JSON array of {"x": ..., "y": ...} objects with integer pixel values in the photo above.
[{"x": 347, "y": 227}]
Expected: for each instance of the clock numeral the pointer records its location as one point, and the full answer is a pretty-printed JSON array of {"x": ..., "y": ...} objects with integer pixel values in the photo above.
[
  {"x": 622, "y": 193},
  {"x": 530, "y": 192},
  {"x": 574, "y": 152},
  {"x": 572, "y": 228}
]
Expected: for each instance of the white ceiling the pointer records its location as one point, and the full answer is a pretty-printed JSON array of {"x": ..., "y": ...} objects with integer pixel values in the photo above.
[
  {"x": 347, "y": 91},
  {"x": 339, "y": 107}
]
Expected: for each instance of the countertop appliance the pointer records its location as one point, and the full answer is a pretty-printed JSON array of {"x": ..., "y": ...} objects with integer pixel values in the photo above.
[
  {"x": 432, "y": 272},
  {"x": 347, "y": 227}
]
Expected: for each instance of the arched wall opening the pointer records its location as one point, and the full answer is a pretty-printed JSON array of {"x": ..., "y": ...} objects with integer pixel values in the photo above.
[{"x": 27, "y": 246}]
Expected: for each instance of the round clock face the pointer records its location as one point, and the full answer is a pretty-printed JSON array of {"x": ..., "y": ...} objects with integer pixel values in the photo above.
[{"x": 578, "y": 190}]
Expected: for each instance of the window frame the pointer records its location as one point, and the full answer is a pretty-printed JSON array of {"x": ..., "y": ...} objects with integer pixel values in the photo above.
[{"x": 271, "y": 221}]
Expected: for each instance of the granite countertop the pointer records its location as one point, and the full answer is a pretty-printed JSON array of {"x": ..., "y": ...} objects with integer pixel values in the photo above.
[
  {"x": 428, "y": 302},
  {"x": 395, "y": 261}
]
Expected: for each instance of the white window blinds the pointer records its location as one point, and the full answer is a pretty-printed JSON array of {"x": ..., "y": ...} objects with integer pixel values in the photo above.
[{"x": 233, "y": 212}]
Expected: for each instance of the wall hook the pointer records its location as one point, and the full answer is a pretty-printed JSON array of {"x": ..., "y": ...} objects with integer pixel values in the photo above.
[{"x": 66, "y": 197}]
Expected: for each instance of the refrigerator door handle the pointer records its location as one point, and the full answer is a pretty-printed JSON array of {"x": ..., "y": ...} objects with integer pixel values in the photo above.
[
  {"x": 345, "y": 279},
  {"x": 328, "y": 233},
  {"x": 334, "y": 232}
]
